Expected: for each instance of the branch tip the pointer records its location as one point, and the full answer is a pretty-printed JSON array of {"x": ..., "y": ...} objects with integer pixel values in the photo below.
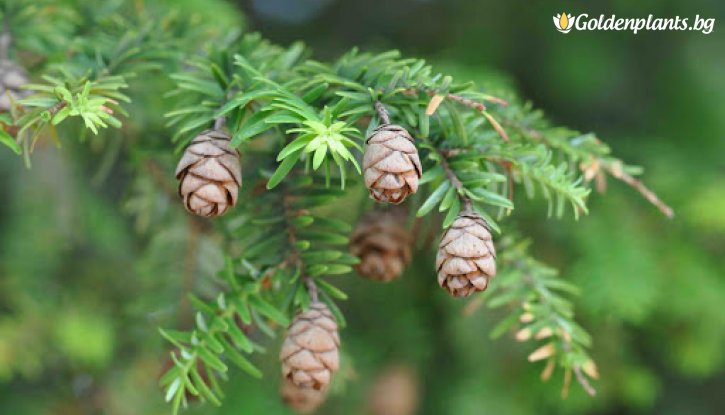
[{"x": 588, "y": 388}]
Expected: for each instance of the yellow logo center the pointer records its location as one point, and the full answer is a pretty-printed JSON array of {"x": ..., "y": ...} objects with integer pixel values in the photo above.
[{"x": 564, "y": 21}]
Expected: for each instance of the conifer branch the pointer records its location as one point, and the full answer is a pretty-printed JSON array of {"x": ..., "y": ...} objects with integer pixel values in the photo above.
[
  {"x": 189, "y": 271},
  {"x": 613, "y": 167},
  {"x": 455, "y": 182},
  {"x": 475, "y": 105},
  {"x": 468, "y": 102},
  {"x": 294, "y": 256},
  {"x": 306, "y": 119},
  {"x": 541, "y": 313}
]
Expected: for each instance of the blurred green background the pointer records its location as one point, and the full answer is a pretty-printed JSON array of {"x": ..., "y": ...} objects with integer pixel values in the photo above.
[{"x": 78, "y": 326}]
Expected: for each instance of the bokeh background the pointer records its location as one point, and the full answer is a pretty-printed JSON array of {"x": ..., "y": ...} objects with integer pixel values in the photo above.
[{"x": 78, "y": 328}]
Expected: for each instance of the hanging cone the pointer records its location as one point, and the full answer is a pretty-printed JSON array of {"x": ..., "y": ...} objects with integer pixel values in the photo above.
[
  {"x": 209, "y": 174},
  {"x": 301, "y": 400},
  {"x": 310, "y": 352},
  {"x": 466, "y": 257},
  {"x": 391, "y": 164},
  {"x": 383, "y": 245}
]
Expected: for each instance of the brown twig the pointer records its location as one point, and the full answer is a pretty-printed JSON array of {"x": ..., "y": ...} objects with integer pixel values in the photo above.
[
  {"x": 615, "y": 169},
  {"x": 478, "y": 106},
  {"x": 456, "y": 182},
  {"x": 294, "y": 255},
  {"x": 505, "y": 164},
  {"x": 497, "y": 100},
  {"x": 496, "y": 126},
  {"x": 451, "y": 174},
  {"x": 57, "y": 107},
  {"x": 450, "y": 152}
]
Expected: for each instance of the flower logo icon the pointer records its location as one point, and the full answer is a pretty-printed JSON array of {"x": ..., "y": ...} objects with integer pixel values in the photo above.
[{"x": 563, "y": 22}]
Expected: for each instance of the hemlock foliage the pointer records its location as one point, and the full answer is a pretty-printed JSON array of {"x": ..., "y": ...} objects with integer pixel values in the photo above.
[{"x": 300, "y": 125}]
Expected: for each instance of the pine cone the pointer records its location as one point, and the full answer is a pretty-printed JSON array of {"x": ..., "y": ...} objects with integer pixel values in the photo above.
[
  {"x": 391, "y": 164},
  {"x": 209, "y": 174},
  {"x": 466, "y": 257},
  {"x": 301, "y": 400},
  {"x": 12, "y": 77},
  {"x": 383, "y": 245},
  {"x": 309, "y": 353}
]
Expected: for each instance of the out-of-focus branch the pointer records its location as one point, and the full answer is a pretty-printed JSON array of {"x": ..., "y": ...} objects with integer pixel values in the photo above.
[
  {"x": 189, "y": 272},
  {"x": 616, "y": 171}
]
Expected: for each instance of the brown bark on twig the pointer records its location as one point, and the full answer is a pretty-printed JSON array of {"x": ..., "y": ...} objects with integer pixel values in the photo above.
[{"x": 382, "y": 112}]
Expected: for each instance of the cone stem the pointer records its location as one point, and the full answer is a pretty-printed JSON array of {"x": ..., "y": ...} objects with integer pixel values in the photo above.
[
  {"x": 382, "y": 112},
  {"x": 455, "y": 182},
  {"x": 219, "y": 122},
  {"x": 312, "y": 289}
]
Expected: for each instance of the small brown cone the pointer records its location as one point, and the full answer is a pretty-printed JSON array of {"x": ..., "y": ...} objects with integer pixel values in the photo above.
[
  {"x": 209, "y": 174},
  {"x": 383, "y": 245},
  {"x": 12, "y": 77},
  {"x": 310, "y": 352},
  {"x": 466, "y": 257},
  {"x": 301, "y": 400},
  {"x": 391, "y": 164},
  {"x": 395, "y": 392}
]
